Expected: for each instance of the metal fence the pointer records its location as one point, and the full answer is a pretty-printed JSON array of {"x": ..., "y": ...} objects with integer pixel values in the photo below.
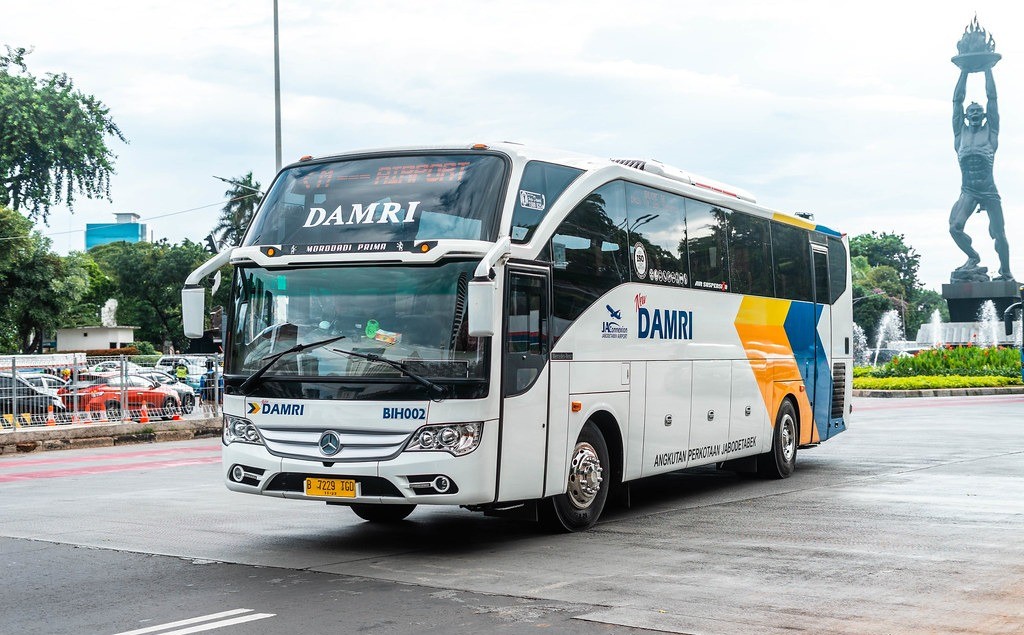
[{"x": 73, "y": 389}]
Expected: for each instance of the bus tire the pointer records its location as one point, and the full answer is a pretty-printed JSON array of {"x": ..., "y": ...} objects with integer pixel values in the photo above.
[
  {"x": 587, "y": 486},
  {"x": 390, "y": 513},
  {"x": 780, "y": 461}
]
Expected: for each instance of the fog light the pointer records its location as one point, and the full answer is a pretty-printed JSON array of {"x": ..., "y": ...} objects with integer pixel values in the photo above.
[
  {"x": 237, "y": 474},
  {"x": 442, "y": 484}
]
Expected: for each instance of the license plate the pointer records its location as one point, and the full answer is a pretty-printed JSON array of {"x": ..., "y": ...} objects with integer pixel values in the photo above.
[{"x": 340, "y": 487}]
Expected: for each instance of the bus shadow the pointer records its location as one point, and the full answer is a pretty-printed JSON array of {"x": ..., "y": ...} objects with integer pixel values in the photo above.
[{"x": 452, "y": 531}]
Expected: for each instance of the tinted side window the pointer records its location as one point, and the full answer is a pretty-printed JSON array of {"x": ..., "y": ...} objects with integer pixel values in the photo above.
[
  {"x": 792, "y": 254},
  {"x": 540, "y": 187},
  {"x": 750, "y": 255},
  {"x": 706, "y": 240},
  {"x": 836, "y": 267},
  {"x": 657, "y": 222},
  {"x": 589, "y": 254}
]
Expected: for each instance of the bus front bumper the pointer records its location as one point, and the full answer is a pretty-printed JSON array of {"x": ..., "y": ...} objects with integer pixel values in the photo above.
[{"x": 421, "y": 478}]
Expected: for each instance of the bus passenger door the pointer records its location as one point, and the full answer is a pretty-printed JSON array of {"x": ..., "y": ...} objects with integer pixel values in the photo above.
[
  {"x": 821, "y": 397},
  {"x": 524, "y": 386}
]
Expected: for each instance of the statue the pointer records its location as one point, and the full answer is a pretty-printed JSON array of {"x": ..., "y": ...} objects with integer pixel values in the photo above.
[{"x": 975, "y": 139}]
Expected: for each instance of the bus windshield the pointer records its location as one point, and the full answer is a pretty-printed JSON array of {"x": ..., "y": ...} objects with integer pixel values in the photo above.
[
  {"x": 386, "y": 202},
  {"x": 409, "y": 314}
]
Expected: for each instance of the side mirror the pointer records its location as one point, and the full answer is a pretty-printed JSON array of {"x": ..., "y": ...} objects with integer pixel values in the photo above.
[
  {"x": 193, "y": 311},
  {"x": 482, "y": 307}
]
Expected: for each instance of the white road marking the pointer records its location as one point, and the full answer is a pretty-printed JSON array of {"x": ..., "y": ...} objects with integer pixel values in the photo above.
[{"x": 202, "y": 627}]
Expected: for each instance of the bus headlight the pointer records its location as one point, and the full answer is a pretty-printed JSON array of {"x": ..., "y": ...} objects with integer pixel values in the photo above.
[
  {"x": 457, "y": 439},
  {"x": 239, "y": 430}
]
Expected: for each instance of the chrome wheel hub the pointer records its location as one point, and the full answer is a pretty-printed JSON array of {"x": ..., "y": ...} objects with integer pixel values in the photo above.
[
  {"x": 788, "y": 436},
  {"x": 584, "y": 476}
]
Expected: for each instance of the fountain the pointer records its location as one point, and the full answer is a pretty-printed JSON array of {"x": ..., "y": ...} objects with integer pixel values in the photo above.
[
  {"x": 936, "y": 325},
  {"x": 890, "y": 328},
  {"x": 988, "y": 323},
  {"x": 861, "y": 353}
]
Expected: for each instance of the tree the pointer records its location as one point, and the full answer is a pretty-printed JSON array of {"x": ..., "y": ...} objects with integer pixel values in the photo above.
[
  {"x": 243, "y": 199},
  {"x": 46, "y": 287},
  {"x": 148, "y": 279},
  {"x": 53, "y": 140},
  {"x": 884, "y": 271},
  {"x": 38, "y": 288},
  {"x": 890, "y": 250}
]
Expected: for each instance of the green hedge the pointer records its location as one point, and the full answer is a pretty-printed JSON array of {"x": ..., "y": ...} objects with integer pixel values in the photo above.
[
  {"x": 971, "y": 361},
  {"x": 929, "y": 382}
]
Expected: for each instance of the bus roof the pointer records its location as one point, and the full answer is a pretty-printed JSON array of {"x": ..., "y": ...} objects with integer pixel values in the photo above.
[{"x": 706, "y": 188}]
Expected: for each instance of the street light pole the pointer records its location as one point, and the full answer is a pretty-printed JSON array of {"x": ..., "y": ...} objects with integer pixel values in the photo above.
[{"x": 277, "y": 94}]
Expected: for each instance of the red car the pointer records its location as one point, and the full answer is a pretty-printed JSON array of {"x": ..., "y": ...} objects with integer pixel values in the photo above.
[{"x": 105, "y": 392}]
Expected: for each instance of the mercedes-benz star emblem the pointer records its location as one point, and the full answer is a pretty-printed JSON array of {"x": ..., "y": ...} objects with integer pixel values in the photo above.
[{"x": 330, "y": 443}]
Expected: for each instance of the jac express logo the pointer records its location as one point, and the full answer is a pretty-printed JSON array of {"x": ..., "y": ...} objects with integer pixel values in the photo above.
[
  {"x": 267, "y": 408},
  {"x": 662, "y": 324}
]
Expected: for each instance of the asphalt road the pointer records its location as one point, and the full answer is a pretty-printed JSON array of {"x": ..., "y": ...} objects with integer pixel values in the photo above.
[{"x": 910, "y": 522}]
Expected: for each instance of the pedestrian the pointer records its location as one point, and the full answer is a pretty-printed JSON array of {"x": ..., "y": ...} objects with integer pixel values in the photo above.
[{"x": 211, "y": 388}]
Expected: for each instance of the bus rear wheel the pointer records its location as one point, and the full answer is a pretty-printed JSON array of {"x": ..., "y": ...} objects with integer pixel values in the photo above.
[
  {"x": 780, "y": 461},
  {"x": 391, "y": 513},
  {"x": 587, "y": 486}
]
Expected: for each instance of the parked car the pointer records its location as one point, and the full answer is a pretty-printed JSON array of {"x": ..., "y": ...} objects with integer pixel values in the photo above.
[
  {"x": 105, "y": 393},
  {"x": 113, "y": 365},
  {"x": 18, "y": 394},
  {"x": 186, "y": 394},
  {"x": 46, "y": 382}
]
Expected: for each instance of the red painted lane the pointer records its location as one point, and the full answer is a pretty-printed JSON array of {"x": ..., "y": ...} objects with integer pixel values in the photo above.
[
  {"x": 61, "y": 458},
  {"x": 903, "y": 403},
  {"x": 103, "y": 469}
]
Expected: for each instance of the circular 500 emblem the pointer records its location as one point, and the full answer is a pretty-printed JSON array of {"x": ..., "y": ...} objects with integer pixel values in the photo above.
[{"x": 640, "y": 260}]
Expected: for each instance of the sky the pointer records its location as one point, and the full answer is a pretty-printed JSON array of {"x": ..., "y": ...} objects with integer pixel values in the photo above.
[{"x": 839, "y": 109}]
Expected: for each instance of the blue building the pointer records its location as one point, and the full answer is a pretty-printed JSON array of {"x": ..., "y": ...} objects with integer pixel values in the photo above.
[{"x": 126, "y": 228}]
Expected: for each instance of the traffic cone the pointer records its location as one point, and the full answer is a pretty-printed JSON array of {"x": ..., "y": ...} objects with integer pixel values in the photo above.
[
  {"x": 145, "y": 414},
  {"x": 103, "y": 414},
  {"x": 50, "y": 419}
]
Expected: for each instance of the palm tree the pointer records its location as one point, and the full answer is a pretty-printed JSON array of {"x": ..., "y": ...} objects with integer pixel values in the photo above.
[{"x": 243, "y": 198}]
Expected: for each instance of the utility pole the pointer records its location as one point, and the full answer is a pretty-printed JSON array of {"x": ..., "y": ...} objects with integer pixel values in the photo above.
[{"x": 277, "y": 94}]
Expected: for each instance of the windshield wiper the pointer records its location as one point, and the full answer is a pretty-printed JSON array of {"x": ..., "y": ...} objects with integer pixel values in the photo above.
[
  {"x": 254, "y": 378},
  {"x": 441, "y": 391}
]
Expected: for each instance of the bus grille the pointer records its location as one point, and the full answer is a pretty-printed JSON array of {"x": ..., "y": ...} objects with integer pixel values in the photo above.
[
  {"x": 838, "y": 389},
  {"x": 356, "y": 445}
]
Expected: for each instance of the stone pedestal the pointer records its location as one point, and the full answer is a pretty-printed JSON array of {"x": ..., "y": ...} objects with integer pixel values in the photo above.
[{"x": 964, "y": 299}]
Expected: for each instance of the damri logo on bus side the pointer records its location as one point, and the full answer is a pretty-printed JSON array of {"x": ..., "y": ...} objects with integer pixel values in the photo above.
[
  {"x": 662, "y": 324},
  {"x": 373, "y": 213},
  {"x": 266, "y": 408}
]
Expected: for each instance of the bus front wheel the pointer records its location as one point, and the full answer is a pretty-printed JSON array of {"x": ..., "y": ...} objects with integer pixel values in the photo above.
[
  {"x": 587, "y": 486},
  {"x": 382, "y": 513},
  {"x": 780, "y": 461}
]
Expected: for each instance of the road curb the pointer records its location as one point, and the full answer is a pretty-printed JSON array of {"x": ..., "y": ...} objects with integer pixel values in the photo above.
[
  {"x": 70, "y": 437},
  {"x": 942, "y": 392}
]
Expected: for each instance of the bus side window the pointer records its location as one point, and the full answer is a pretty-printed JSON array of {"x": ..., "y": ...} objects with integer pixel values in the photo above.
[
  {"x": 792, "y": 254},
  {"x": 658, "y": 222},
  {"x": 589, "y": 255},
  {"x": 750, "y": 255},
  {"x": 540, "y": 187},
  {"x": 706, "y": 228},
  {"x": 836, "y": 268}
]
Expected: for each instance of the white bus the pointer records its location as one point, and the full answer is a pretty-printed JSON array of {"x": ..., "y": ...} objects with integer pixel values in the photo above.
[{"x": 518, "y": 330}]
